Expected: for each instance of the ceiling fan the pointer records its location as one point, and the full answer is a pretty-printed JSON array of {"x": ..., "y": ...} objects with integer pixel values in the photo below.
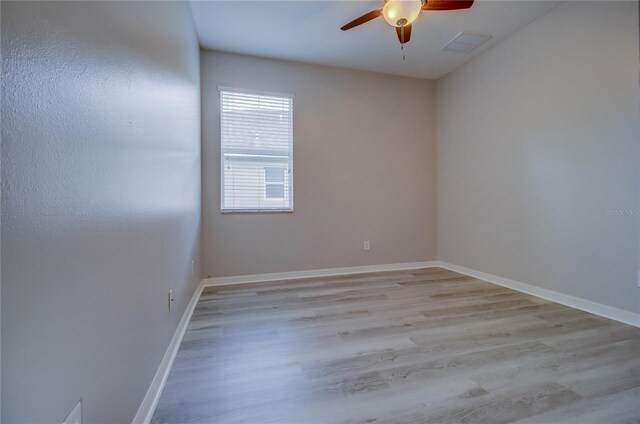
[{"x": 401, "y": 13}]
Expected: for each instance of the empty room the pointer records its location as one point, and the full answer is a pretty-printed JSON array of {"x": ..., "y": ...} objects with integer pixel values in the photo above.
[{"x": 320, "y": 212}]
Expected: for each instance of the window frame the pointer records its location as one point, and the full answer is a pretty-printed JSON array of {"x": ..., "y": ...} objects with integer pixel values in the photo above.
[{"x": 288, "y": 183}]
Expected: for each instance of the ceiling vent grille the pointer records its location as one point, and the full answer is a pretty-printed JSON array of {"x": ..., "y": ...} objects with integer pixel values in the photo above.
[{"x": 466, "y": 42}]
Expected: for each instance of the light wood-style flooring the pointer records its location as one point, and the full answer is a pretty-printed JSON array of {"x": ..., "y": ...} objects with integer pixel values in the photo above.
[{"x": 419, "y": 346}]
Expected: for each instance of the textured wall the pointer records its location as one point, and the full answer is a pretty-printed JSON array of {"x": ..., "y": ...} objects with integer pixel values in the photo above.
[
  {"x": 100, "y": 201},
  {"x": 539, "y": 155},
  {"x": 363, "y": 166}
]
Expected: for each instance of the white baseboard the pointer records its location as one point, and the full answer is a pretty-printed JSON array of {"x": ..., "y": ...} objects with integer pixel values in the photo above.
[
  {"x": 610, "y": 312},
  {"x": 277, "y": 276},
  {"x": 150, "y": 401}
]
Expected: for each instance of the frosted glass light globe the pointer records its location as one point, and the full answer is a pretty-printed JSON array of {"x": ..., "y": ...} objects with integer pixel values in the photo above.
[{"x": 401, "y": 12}]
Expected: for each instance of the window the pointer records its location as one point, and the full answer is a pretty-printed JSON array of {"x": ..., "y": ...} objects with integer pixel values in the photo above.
[
  {"x": 274, "y": 183},
  {"x": 256, "y": 151}
]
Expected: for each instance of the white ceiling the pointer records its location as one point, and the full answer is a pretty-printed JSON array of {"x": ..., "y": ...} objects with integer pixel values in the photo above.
[{"x": 309, "y": 31}]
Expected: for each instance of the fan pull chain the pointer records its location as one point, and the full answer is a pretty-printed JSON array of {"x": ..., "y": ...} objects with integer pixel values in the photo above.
[{"x": 402, "y": 44}]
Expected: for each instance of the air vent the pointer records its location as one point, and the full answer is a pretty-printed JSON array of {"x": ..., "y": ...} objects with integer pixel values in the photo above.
[{"x": 466, "y": 42}]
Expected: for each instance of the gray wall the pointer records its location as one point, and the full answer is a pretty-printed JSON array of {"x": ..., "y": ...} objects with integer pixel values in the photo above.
[
  {"x": 538, "y": 138},
  {"x": 100, "y": 201},
  {"x": 364, "y": 169}
]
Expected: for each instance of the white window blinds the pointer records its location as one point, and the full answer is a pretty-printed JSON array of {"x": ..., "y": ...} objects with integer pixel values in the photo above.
[{"x": 256, "y": 151}]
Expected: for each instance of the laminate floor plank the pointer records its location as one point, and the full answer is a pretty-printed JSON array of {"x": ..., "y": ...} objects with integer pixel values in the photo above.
[{"x": 413, "y": 346}]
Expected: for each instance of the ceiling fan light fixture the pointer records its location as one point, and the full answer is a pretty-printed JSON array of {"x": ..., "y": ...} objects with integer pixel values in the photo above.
[{"x": 400, "y": 13}]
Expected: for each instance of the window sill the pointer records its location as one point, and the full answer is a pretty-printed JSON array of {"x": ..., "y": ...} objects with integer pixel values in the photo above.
[{"x": 231, "y": 211}]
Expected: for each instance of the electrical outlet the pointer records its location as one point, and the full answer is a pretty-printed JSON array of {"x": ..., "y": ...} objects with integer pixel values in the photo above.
[
  {"x": 366, "y": 245},
  {"x": 170, "y": 299},
  {"x": 75, "y": 416}
]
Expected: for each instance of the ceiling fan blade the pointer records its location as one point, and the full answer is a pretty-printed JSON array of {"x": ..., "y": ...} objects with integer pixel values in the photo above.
[
  {"x": 363, "y": 19},
  {"x": 407, "y": 34},
  {"x": 447, "y": 4}
]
